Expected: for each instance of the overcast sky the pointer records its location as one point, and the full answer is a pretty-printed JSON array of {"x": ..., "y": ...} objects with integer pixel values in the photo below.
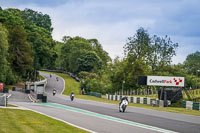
[{"x": 112, "y": 21}]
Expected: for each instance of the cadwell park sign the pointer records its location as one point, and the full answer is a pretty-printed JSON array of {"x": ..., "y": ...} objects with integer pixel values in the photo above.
[{"x": 165, "y": 81}]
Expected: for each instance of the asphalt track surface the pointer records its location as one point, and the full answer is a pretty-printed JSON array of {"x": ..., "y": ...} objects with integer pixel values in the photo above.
[{"x": 98, "y": 119}]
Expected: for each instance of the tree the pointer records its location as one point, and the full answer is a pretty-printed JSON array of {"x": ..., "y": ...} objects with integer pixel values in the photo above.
[
  {"x": 19, "y": 51},
  {"x": 163, "y": 49},
  {"x": 38, "y": 19},
  {"x": 38, "y": 29},
  {"x": 6, "y": 75},
  {"x": 137, "y": 46},
  {"x": 144, "y": 55},
  {"x": 103, "y": 55},
  {"x": 155, "y": 51},
  {"x": 192, "y": 63},
  {"x": 43, "y": 47},
  {"x": 3, "y": 53},
  {"x": 72, "y": 50},
  {"x": 10, "y": 18},
  {"x": 88, "y": 62}
]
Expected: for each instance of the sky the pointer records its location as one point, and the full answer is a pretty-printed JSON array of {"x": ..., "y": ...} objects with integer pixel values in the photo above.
[{"x": 113, "y": 21}]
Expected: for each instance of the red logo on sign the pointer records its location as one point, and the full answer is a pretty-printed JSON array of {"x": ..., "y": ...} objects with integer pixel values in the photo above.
[
  {"x": 1, "y": 86},
  {"x": 178, "y": 81}
]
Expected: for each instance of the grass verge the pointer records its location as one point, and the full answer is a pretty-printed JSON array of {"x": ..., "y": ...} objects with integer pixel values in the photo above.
[
  {"x": 72, "y": 85},
  {"x": 21, "y": 121},
  {"x": 41, "y": 77}
]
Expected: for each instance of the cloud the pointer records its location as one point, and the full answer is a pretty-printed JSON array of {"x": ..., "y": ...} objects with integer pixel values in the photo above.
[
  {"x": 41, "y": 3},
  {"x": 112, "y": 21}
]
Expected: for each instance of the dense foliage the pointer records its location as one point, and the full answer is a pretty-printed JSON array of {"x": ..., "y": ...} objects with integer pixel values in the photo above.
[
  {"x": 27, "y": 42},
  {"x": 26, "y": 45}
]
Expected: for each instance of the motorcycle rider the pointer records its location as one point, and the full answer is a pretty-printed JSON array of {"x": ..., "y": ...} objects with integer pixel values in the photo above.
[
  {"x": 120, "y": 106},
  {"x": 54, "y": 91},
  {"x": 72, "y": 96},
  {"x": 123, "y": 98}
]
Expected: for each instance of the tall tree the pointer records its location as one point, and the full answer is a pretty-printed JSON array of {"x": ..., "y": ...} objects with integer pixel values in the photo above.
[
  {"x": 97, "y": 47},
  {"x": 137, "y": 46},
  {"x": 73, "y": 49},
  {"x": 31, "y": 17},
  {"x": 19, "y": 51},
  {"x": 192, "y": 63},
  {"x": 43, "y": 47},
  {"x": 3, "y": 53},
  {"x": 162, "y": 51},
  {"x": 155, "y": 51},
  {"x": 88, "y": 62}
]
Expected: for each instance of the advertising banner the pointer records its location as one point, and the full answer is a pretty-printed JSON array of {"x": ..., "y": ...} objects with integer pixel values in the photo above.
[
  {"x": 1, "y": 86},
  {"x": 165, "y": 81}
]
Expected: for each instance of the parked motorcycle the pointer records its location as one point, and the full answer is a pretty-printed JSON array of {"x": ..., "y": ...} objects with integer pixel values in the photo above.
[{"x": 123, "y": 105}]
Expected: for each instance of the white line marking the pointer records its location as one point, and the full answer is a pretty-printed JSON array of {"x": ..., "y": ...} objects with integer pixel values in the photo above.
[
  {"x": 9, "y": 95},
  {"x": 31, "y": 98}
]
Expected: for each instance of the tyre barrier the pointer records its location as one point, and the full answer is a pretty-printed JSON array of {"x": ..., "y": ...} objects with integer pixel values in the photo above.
[
  {"x": 138, "y": 100},
  {"x": 191, "y": 105}
]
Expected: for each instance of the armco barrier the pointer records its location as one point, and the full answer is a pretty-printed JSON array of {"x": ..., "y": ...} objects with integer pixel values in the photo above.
[
  {"x": 139, "y": 100},
  {"x": 96, "y": 94},
  {"x": 191, "y": 105}
]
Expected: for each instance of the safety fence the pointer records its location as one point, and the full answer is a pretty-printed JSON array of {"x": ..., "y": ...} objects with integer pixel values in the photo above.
[
  {"x": 139, "y": 100},
  {"x": 191, "y": 105}
]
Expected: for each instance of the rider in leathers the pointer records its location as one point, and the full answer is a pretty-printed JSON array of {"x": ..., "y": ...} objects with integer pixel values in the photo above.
[{"x": 123, "y": 98}]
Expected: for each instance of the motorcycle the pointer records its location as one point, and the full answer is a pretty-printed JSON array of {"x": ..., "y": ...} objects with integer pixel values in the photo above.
[
  {"x": 72, "y": 96},
  {"x": 123, "y": 105},
  {"x": 54, "y": 92}
]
